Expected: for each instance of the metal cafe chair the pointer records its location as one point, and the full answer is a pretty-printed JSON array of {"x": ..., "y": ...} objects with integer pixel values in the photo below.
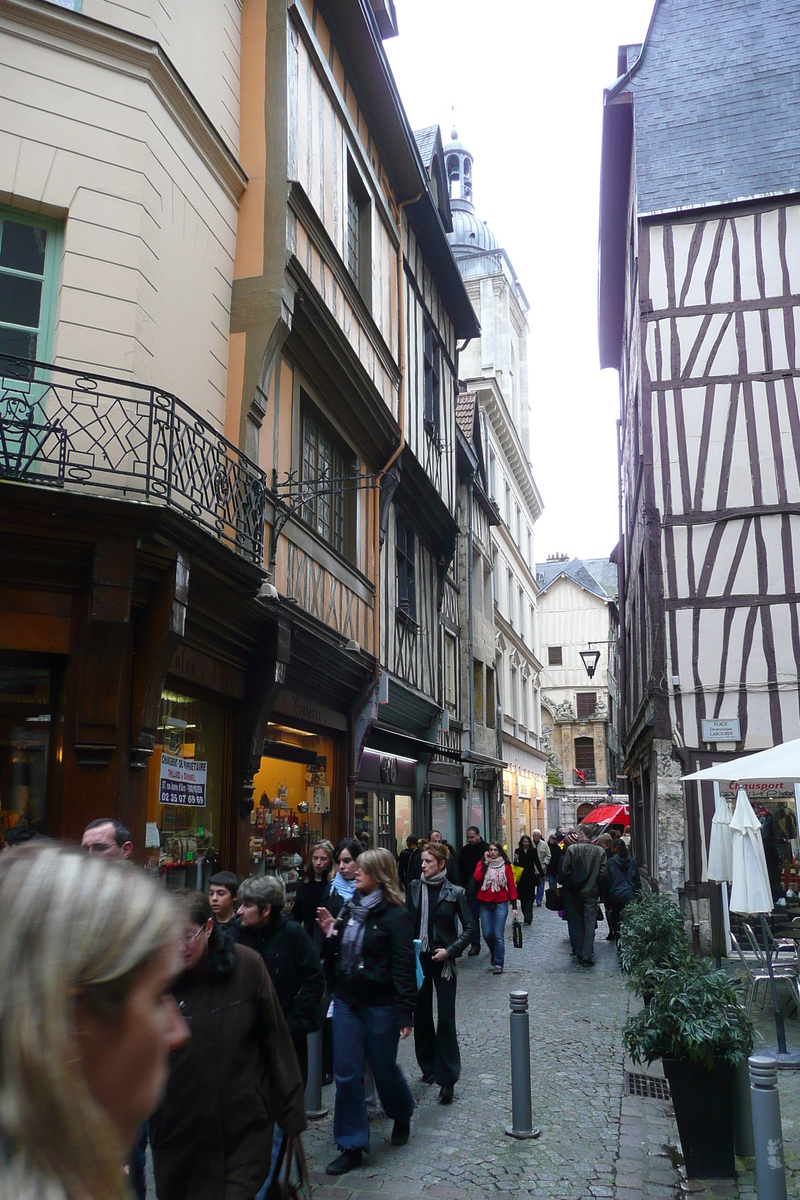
[{"x": 757, "y": 971}]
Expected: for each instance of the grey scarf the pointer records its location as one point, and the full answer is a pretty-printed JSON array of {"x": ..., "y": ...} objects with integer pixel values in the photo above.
[
  {"x": 424, "y": 919},
  {"x": 350, "y": 954}
]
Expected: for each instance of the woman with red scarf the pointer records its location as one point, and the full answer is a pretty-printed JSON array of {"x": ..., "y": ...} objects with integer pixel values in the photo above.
[{"x": 496, "y": 888}]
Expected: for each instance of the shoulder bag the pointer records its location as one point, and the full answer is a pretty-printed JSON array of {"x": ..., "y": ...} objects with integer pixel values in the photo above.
[{"x": 283, "y": 1187}]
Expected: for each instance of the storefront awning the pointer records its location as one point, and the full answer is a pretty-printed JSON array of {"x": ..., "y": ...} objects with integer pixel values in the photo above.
[
  {"x": 391, "y": 741},
  {"x": 482, "y": 760}
]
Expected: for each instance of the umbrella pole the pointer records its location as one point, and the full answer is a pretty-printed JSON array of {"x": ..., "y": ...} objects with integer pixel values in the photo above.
[
  {"x": 779, "y": 1026},
  {"x": 720, "y": 926}
]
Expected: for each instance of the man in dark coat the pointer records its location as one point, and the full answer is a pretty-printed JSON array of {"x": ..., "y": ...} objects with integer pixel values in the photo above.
[
  {"x": 469, "y": 857},
  {"x": 415, "y": 866},
  {"x": 235, "y": 1076},
  {"x": 289, "y": 955}
]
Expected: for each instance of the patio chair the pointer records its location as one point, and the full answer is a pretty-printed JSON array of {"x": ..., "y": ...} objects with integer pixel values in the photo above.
[{"x": 755, "y": 965}]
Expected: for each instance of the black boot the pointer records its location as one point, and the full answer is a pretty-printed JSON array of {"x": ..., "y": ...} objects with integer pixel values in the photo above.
[
  {"x": 348, "y": 1160},
  {"x": 400, "y": 1133}
]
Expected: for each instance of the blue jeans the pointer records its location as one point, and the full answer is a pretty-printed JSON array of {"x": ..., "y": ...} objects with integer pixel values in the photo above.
[
  {"x": 358, "y": 1033},
  {"x": 540, "y": 889},
  {"x": 493, "y": 928}
]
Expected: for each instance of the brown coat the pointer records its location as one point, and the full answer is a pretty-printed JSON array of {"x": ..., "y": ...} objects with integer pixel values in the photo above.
[{"x": 238, "y": 1073}]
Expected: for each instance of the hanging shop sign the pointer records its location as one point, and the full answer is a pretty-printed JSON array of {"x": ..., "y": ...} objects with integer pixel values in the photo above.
[{"x": 182, "y": 781}]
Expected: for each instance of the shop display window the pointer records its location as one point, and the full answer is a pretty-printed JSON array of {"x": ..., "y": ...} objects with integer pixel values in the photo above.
[
  {"x": 25, "y": 714},
  {"x": 383, "y": 819},
  {"x": 185, "y": 791},
  {"x": 292, "y": 811}
]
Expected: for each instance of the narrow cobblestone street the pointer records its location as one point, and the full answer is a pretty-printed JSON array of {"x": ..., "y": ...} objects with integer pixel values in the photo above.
[{"x": 462, "y": 1152}]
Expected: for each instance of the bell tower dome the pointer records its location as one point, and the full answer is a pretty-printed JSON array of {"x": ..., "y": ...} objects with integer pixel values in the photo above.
[{"x": 459, "y": 173}]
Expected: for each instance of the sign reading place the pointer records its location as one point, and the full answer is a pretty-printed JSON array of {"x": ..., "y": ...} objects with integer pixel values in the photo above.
[
  {"x": 721, "y": 730},
  {"x": 182, "y": 781}
]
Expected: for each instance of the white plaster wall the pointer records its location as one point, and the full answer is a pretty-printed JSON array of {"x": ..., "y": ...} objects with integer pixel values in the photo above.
[{"x": 149, "y": 231}]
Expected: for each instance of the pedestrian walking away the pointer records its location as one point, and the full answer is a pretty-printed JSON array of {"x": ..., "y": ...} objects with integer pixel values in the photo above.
[
  {"x": 90, "y": 949},
  {"x": 469, "y": 857},
  {"x": 555, "y": 857},
  {"x": 583, "y": 869},
  {"x": 311, "y": 891},
  {"x": 372, "y": 950},
  {"x": 212, "y": 1134},
  {"x": 289, "y": 956},
  {"x": 223, "y": 889},
  {"x": 623, "y": 883},
  {"x": 433, "y": 904},
  {"x": 496, "y": 889},
  {"x": 527, "y": 859},
  {"x": 405, "y": 858},
  {"x": 543, "y": 857}
]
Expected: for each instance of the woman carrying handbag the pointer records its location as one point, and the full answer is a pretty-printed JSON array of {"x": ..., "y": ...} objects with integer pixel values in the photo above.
[
  {"x": 496, "y": 889},
  {"x": 433, "y": 904}
]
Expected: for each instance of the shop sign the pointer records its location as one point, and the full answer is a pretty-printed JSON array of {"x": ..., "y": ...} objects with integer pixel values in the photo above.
[
  {"x": 727, "y": 730},
  {"x": 182, "y": 781},
  {"x": 756, "y": 791},
  {"x": 289, "y": 704},
  {"x": 208, "y": 672}
]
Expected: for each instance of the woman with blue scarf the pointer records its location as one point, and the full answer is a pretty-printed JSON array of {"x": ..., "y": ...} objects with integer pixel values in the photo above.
[{"x": 371, "y": 950}]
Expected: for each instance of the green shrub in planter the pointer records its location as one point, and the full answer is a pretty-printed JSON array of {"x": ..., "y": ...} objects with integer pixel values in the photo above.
[
  {"x": 697, "y": 1027},
  {"x": 694, "y": 1015},
  {"x": 652, "y": 940}
]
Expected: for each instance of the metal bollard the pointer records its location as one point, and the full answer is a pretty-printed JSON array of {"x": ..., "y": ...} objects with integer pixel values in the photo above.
[
  {"x": 314, "y": 1109},
  {"x": 767, "y": 1131},
  {"x": 522, "y": 1124}
]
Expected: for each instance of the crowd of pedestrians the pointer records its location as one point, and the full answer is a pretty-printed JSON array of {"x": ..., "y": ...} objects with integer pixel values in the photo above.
[{"x": 201, "y": 1006}]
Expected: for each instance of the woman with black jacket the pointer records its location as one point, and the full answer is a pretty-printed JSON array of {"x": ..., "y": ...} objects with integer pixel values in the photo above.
[
  {"x": 371, "y": 952},
  {"x": 434, "y": 903},
  {"x": 310, "y": 894},
  {"x": 525, "y": 856}
]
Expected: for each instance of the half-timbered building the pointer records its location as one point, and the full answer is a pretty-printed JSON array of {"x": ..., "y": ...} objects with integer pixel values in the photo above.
[
  {"x": 699, "y": 303},
  {"x": 495, "y": 368}
]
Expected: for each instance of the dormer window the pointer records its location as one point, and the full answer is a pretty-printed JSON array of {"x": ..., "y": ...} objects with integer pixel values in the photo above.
[{"x": 432, "y": 382}]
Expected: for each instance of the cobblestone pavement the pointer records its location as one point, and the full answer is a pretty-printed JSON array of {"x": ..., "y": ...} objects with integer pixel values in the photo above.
[{"x": 596, "y": 1143}]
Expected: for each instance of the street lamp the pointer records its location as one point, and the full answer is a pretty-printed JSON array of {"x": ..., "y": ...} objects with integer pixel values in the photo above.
[{"x": 590, "y": 660}]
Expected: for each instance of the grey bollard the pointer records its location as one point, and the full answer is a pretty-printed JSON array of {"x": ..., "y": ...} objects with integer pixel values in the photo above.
[
  {"x": 521, "y": 1120},
  {"x": 742, "y": 1112},
  {"x": 767, "y": 1131},
  {"x": 314, "y": 1109}
]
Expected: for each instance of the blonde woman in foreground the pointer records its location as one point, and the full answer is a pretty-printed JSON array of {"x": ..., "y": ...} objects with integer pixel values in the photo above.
[{"x": 89, "y": 950}]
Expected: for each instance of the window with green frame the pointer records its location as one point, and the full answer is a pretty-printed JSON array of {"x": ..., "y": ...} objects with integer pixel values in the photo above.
[
  {"x": 75, "y": 5},
  {"x": 29, "y": 255}
]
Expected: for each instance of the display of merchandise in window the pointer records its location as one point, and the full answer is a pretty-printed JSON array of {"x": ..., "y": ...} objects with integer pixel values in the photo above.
[
  {"x": 25, "y": 719},
  {"x": 292, "y": 809}
]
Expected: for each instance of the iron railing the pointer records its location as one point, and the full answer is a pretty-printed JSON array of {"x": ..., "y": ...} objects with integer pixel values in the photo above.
[{"x": 75, "y": 429}]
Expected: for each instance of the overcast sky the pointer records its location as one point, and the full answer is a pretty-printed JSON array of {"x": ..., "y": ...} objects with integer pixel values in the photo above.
[{"x": 526, "y": 80}]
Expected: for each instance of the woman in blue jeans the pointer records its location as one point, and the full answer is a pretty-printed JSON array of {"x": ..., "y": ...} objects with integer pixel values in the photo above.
[
  {"x": 496, "y": 889},
  {"x": 370, "y": 948}
]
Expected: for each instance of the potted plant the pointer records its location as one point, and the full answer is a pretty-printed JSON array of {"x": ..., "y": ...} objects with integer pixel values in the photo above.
[
  {"x": 652, "y": 939},
  {"x": 697, "y": 1027}
]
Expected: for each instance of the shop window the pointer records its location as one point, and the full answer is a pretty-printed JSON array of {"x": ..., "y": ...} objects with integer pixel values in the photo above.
[
  {"x": 443, "y": 814},
  {"x": 25, "y": 712},
  {"x": 554, "y": 656},
  {"x": 185, "y": 790},
  {"x": 28, "y": 278},
  {"x": 292, "y": 794},
  {"x": 326, "y": 466},
  {"x": 450, "y": 672},
  {"x": 586, "y": 702},
  {"x": 406, "y": 567},
  {"x": 432, "y": 381}
]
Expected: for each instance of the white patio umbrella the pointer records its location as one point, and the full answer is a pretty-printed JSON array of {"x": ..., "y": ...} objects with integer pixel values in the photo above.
[
  {"x": 720, "y": 849},
  {"x": 720, "y": 863},
  {"x": 780, "y": 764},
  {"x": 750, "y": 890}
]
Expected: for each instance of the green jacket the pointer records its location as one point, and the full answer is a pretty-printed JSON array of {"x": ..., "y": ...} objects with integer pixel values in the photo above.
[{"x": 589, "y": 862}]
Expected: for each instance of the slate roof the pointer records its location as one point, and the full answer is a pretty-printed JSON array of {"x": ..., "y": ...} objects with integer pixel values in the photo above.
[
  {"x": 426, "y": 143},
  {"x": 596, "y": 575},
  {"x": 716, "y": 103}
]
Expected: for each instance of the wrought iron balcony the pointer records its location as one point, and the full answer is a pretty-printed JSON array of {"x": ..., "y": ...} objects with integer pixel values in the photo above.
[{"x": 77, "y": 430}]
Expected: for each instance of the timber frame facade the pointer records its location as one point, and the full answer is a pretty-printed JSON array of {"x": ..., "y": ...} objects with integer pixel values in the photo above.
[{"x": 699, "y": 304}]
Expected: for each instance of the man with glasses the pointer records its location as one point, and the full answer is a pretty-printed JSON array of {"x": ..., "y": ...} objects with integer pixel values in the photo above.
[{"x": 108, "y": 837}]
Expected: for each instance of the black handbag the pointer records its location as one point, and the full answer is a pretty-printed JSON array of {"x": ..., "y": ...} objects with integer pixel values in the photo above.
[
  {"x": 517, "y": 934},
  {"x": 553, "y": 899}
]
